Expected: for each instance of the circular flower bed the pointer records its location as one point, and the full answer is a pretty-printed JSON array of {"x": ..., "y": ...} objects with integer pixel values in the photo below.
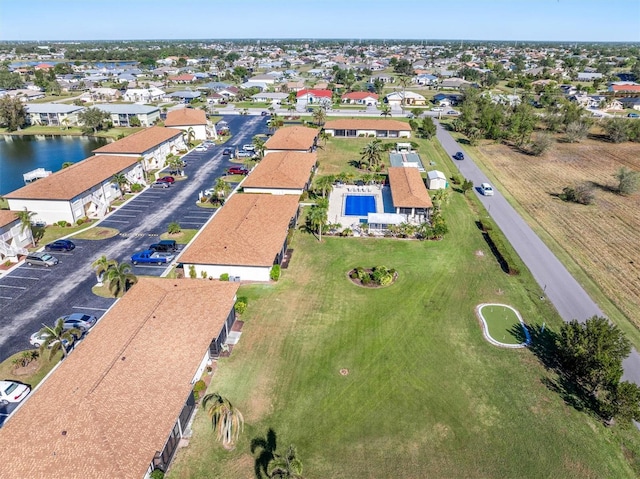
[{"x": 376, "y": 277}]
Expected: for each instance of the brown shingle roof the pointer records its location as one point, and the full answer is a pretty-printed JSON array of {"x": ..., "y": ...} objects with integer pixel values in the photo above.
[
  {"x": 7, "y": 217},
  {"x": 140, "y": 142},
  {"x": 367, "y": 124},
  {"x": 69, "y": 182},
  {"x": 287, "y": 169},
  {"x": 112, "y": 403},
  {"x": 297, "y": 138},
  {"x": 249, "y": 230},
  {"x": 408, "y": 189},
  {"x": 186, "y": 117}
]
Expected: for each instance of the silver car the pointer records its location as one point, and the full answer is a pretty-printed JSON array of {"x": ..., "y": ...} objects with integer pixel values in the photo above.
[{"x": 41, "y": 259}]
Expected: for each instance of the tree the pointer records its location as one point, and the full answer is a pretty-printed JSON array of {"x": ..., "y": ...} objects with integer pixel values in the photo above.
[
  {"x": 521, "y": 124},
  {"x": 58, "y": 338},
  {"x": 13, "y": 113},
  {"x": 385, "y": 110},
  {"x": 467, "y": 185},
  {"x": 319, "y": 116},
  {"x": 276, "y": 122},
  {"x": 540, "y": 143},
  {"x": 628, "y": 180},
  {"x": 101, "y": 266},
  {"x": 324, "y": 184},
  {"x": 592, "y": 353},
  {"x": 623, "y": 402},
  {"x": 25, "y": 218},
  {"x": 93, "y": 119},
  {"x": 120, "y": 278},
  {"x": 378, "y": 86},
  {"x": 189, "y": 136},
  {"x": 259, "y": 145},
  {"x": 226, "y": 420},
  {"x": 371, "y": 154},
  {"x": 121, "y": 180},
  {"x": 287, "y": 466},
  {"x": 617, "y": 130},
  {"x": 221, "y": 189},
  {"x": 318, "y": 216},
  {"x": 427, "y": 128},
  {"x": 577, "y": 130}
]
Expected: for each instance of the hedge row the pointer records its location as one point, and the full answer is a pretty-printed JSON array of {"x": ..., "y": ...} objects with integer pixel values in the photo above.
[{"x": 499, "y": 247}]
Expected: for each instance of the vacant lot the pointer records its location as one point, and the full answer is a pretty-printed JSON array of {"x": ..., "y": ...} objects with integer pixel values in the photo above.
[
  {"x": 603, "y": 238},
  {"x": 423, "y": 394}
]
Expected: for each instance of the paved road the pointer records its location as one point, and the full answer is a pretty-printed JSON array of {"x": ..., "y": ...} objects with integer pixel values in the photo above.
[
  {"x": 31, "y": 296},
  {"x": 566, "y": 294}
]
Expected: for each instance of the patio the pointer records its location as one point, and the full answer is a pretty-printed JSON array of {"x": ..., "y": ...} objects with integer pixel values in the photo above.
[{"x": 338, "y": 198}]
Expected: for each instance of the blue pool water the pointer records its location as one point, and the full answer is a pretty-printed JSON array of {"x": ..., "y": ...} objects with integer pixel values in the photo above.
[{"x": 359, "y": 205}]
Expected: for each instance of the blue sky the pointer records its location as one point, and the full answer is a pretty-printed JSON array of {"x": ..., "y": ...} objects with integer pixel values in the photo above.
[{"x": 541, "y": 20}]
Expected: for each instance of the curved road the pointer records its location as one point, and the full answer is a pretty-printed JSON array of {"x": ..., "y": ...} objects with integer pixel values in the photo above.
[{"x": 566, "y": 294}]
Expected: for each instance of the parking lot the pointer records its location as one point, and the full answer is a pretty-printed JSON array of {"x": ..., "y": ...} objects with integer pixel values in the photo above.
[{"x": 31, "y": 296}]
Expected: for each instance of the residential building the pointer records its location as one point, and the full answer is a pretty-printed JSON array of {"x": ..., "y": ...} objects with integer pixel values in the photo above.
[
  {"x": 409, "y": 194},
  {"x": 359, "y": 127},
  {"x": 190, "y": 118},
  {"x": 406, "y": 98},
  {"x": 319, "y": 96},
  {"x": 244, "y": 239},
  {"x": 123, "y": 114},
  {"x": 360, "y": 98},
  {"x": 53, "y": 114},
  {"x": 143, "y": 95},
  {"x": 293, "y": 138},
  {"x": 119, "y": 404},
  {"x": 14, "y": 238},
  {"x": 282, "y": 173}
]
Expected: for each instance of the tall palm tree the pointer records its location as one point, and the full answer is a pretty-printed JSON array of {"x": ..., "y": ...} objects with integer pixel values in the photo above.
[
  {"x": 120, "y": 278},
  {"x": 287, "y": 466},
  {"x": 58, "y": 338},
  {"x": 226, "y": 420},
  {"x": 385, "y": 110},
  {"x": 404, "y": 81},
  {"x": 276, "y": 122},
  {"x": 324, "y": 184},
  {"x": 259, "y": 144},
  {"x": 319, "y": 116},
  {"x": 25, "y": 216},
  {"x": 371, "y": 154},
  {"x": 189, "y": 137},
  {"x": 102, "y": 265},
  {"x": 318, "y": 217},
  {"x": 120, "y": 180},
  {"x": 221, "y": 189}
]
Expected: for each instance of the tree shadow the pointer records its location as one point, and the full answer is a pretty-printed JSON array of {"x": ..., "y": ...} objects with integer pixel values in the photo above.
[
  {"x": 608, "y": 188},
  {"x": 264, "y": 449}
]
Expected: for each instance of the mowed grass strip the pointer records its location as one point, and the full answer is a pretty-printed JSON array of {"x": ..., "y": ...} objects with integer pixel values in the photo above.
[
  {"x": 426, "y": 395},
  {"x": 503, "y": 324}
]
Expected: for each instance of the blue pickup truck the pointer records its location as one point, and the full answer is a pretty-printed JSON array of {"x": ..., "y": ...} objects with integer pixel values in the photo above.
[{"x": 152, "y": 257}]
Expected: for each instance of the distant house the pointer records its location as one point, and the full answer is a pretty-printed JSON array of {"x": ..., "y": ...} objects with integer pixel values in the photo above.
[
  {"x": 153, "y": 144},
  {"x": 295, "y": 85},
  {"x": 360, "y": 98},
  {"x": 588, "y": 76},
  {"x": 122, "y": 114},
  {"x": 455, "y": 83},
  {"x": 14, "y": 239},
  {"x": 314, "y": 96},
  {"x": 186, "y": 118},
  {"x": 53, "y": 114},
  {"x": 383, "y": 77},
  {"x": 266, "y": 78},
  {"x": 245, "y": 238},
  {"x": 358, "y": 127},
  {"x": 436, "y": 180},
  {"x": 84, "y": 189},
  {"x": 107, "y": 384},
  {"x": 229, "y": 92},
  {"x": 184, "y": 95},
  {"x": 624, "y": 87},
  {"x": 282, "y": 173},
  {"x": 409, "y": 194},
  {"x": 267, "y": 97},
  {"x": 293, "y": 138},
  {"x": 410, "y": 99},
  {"x": 425, "y": 79},
  {"x": 143, "y": 95},
  {"x": 630, "y": 102},
  {"x": 183, "y": 78}
]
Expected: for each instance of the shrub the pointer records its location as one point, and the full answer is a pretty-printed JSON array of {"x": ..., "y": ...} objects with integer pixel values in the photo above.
[
  {"x": 62, "y": 223},
  {"x": 275, "y": 272},
  {"x": 628, "y": 180},
  {"x": 203, "y": 274},
  {"x": 156, "y": 474},
  {"x": 365, "y": 280},
  {"x": 199, "y": 386},
  {"x": 540, "y": 143},
  {"x": 240, "y": 306},
  {"x": 582, "y": 193},
  {"x": 224, "y": 277},
  {"x": 136, "y": 188},
  {"x": 498, "y": 247},
  {"x": 80, "y": 221},
  {"x": 456, "y": 179},
  {"x": 174, "y": 227},
  {"x": 192, "y": 271}
]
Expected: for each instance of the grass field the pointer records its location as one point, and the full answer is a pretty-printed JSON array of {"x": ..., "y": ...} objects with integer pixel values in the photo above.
[
  {"x": 599, "y": 243},
  {"x": 425, "y": 394},
  {"x": 34, "y": 373},
  {"x": 501, "y": 323}
]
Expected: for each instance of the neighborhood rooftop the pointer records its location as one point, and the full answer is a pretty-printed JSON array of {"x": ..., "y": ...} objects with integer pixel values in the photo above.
[
  {"x": 70, "y": 182},
  {"x": 292, "y": 138},
  {"x": 290, "y": 169},
  {"x": 7, "y": 217},
  {"x": 52, "y": 108},
  {"x": 111, "y": 405},
  {"x": 367, "y": 124},
  {"x": 141, "y": 141},
  {"x": 249, "y": 229},
  {"x": 130, "y": 109},
  {"x": 186, "y": 117},
  {"x": 407, "y": 188}
]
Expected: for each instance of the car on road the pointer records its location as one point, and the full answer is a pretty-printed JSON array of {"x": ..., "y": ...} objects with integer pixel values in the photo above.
[
  {"x": 486, "y": 189},
  {"x": 80, "y": 321},
  {"x": 60, "y": 245},
  {"x": 166, "y": 179},
  {"x": 152, "y": 257},
  {"x": 437, "y": 108},
  {"x": 453, "y": 112},
  {"x": 160, "y": 184},
  {"x": 264, "y": 113},
  {"x": 164, "y": 246},
  {"x": 633, "y": 115},
  {"x": 227, "y": 151},
  {"x": 237, "y": 170},
  {"x": 458, "y": 156},
  {"x": 11, "y": 391},
  {"x": 41, "y": 259}
]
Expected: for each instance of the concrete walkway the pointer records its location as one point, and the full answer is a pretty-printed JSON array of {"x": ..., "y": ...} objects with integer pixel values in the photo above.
[{"x": 566, "y": 294}]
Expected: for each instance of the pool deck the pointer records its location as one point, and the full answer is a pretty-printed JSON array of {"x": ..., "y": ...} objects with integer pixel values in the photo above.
[{"x": 382, "y": 195}]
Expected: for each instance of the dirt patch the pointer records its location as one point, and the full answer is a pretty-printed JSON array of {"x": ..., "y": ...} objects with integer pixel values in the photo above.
[
  {"x": 344, "y": 372},
  {"x": 479, "y": 253},
  {"x": 97, "y": 233},
  {"x": 27, "y": 370}
]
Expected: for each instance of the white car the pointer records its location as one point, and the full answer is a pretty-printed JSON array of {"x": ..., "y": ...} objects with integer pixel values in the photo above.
[
  {"x": 486, "y": 189},
  {"x": 248, "y": 147},
  {"x": 201, "y": 148},
  {"x": 11, "y": 391}
]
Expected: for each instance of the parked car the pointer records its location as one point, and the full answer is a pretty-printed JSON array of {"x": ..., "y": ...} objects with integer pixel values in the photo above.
[
  {"x": 437, "y": 108},
  {"x": 453, "y": 112},
  {"x": 164, "y": 245},
  {"x": 160, "y": 184},
  {"x": 41, "y": 259},
  {"x": 60, "y": 245},
  {"x": 11, "y": 391},
  {"x": 201, "y": 148},
  {"x": 486, "y": 189},
  {"x": 166, "y": 179},
  {"x": 458, "y": 156},
  {"x": 633, "y": 115},
  {"x": 227, "y": 151},
  {"x": 264, "y": 113},
  {"x": 152, "y": 257},
  {"x": 81, "y": 321},
  {"x": 237, "y": 170},
  {"x": 38, "y": 338},
  {"x": 248, "y": 147},
  {"x": 245, "y": 154}
]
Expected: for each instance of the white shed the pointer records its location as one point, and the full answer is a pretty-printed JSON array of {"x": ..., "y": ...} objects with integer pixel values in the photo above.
[{"x": 436, "y": 180}]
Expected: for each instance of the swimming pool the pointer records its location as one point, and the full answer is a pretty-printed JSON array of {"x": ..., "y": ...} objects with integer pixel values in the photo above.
[{"x": 356, "y": 205}]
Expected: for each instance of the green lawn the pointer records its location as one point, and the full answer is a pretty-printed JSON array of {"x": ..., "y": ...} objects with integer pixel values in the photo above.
[
  {"x": 425, "y": 396},
  {"x": 36, "y": 372},
  {"x": 502, "y": 323},
  {"x": 54, "y": 232}
]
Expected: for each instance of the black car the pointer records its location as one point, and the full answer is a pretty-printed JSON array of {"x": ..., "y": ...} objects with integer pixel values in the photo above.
[
  {"x": 458, "y": 156},
  {"x": 226, "y": 151},
  {"x": 265, "y": 113},
  {"x": 164, "y": 246},
  {"x": 60, "y": 245}
]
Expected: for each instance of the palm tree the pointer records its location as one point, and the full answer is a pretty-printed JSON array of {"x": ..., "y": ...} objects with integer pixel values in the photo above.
[
  {"x": 319, "y": 116},
  {"x": 324, "y": 184},
  {"x": 120, "y": 278},
  {"x": 385, "y": 110},
  {"x": 120, "y": 180},
  {"x": 56, "y": 337},
  {"x": 221, "y": 189},
  {"x": 189, "y": 137},
  {"x": 276, "y": 122},
  {"x": 287, "y": 466},
  {"x": 226, "y": 420},
  {"x": 259, "y": 144},
  {"x": 25, "y": 217},
  {"x": 67, "y": 164},
  {"x": 372, "y": 154},
  {"x": 102, "y": 265},
  {"x": 175, "y": 163},
  {"x": 441, "y": 197},
  {"x": 318, "y": 217},
  {"x": 404, "y": 81}
]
